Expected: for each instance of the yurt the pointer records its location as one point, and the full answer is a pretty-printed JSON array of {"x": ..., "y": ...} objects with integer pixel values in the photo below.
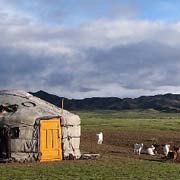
[{"x": 33, "y": 129}]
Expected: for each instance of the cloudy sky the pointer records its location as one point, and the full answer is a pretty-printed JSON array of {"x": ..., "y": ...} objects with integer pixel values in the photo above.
[{"x": 87, "y": 48}]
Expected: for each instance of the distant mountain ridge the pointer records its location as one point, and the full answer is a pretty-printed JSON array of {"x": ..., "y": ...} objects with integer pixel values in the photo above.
[{"x": 163, "y": 103}]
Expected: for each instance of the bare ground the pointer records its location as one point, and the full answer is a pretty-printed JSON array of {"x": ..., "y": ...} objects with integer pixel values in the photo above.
[{"x": 121, "y": 143}]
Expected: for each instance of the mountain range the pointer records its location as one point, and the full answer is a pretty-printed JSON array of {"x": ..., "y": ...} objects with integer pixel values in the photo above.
[{"x": 163, "y": 103}]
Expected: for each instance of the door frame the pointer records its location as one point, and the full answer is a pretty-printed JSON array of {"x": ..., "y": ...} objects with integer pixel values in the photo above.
[{"x": 59, "y": 137}]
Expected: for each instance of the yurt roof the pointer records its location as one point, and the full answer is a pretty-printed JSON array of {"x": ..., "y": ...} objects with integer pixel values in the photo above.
[{"x": 24, "y": 108}]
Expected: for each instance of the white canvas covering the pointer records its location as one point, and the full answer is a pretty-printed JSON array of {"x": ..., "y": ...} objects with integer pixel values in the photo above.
[{"x": 26, "y": 113}]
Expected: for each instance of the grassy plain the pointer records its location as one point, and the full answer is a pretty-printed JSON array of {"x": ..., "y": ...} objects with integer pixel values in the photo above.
[
  {"x": 120, "y": 165},
  {"x": 149, "y": 120}
]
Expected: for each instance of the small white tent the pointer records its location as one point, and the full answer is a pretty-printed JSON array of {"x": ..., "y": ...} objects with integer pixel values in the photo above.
[{"x": 33, "y": 129}]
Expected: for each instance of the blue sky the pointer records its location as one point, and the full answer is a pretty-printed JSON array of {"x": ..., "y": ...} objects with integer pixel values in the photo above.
[
  {"x": 75, "y": 12},
  {"x": 86, "y": 48},
  {"x": 160, "y": 10},
  {"x": 63, "y": 11}
]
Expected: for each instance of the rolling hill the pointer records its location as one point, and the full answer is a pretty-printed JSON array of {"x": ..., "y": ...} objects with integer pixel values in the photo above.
[{"x": 163, "y": 103}]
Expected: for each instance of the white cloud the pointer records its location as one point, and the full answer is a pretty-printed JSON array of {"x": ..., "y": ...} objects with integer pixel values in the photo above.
[{"x": 119, "y": 57}]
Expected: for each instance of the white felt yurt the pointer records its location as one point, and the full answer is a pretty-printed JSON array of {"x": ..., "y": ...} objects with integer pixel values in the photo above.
[{"x": 33, "y": 129}]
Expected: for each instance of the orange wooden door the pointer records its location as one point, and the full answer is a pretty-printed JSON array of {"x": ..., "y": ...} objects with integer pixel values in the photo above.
[{"x": 50, "y": 140}]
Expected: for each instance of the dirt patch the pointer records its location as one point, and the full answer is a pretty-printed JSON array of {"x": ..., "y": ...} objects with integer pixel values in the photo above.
[{"x": 121, "y": 143}]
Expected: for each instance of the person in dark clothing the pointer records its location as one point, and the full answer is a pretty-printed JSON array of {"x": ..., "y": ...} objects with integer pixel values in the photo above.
[{"x": 5, "y": 143}]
